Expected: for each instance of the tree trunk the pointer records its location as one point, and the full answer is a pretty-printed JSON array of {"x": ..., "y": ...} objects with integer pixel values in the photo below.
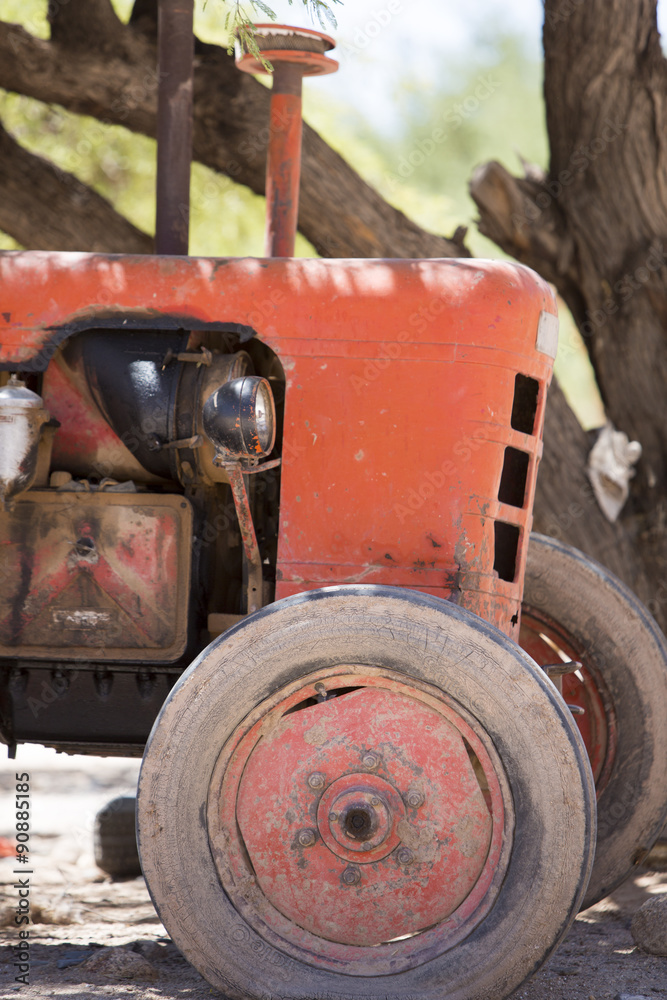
[{"x": 596, "y": 227}]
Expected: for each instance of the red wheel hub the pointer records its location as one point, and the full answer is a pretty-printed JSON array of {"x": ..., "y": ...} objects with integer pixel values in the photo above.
[
  {"x": 357, "y": 820},
  {"x": 547, "y": 642},
  {"x": 358, "y": 817}
]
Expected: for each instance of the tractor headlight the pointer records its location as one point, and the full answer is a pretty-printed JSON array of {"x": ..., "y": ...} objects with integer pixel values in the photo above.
[
  {"x": 239, "y": 418},
  {"x": 265, "y": 417}
]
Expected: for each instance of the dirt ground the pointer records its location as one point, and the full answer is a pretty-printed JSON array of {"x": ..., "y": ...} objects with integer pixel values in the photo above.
[{"x": 77, "y": 910}]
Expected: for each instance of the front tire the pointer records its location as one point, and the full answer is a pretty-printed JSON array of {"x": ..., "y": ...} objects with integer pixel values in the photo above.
[{"x": 365, "y": 792}]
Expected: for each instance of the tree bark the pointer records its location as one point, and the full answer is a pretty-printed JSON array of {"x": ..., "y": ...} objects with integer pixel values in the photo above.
[
  {"x": 97, "y": 66},
  {"x": 45, "y": 208},
  {"x": 596, "y": 226}
]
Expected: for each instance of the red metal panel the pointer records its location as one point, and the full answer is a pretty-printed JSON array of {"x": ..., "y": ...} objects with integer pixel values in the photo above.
[
  {"x": 441, "y": 820},
  {"x": 400, "y": 386},
  {"x": 95, "y": 576},
  {"x": 405, "y": 890}
]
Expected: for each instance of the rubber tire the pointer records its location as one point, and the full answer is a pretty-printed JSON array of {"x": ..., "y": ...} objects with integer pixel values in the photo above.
[
  {"x": 624, "y": 644},
  {"x": 422, "y": 637},
  {"x": 115, "y": 838}
]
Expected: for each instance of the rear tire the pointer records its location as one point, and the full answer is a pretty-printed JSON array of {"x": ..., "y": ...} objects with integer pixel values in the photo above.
[
  {"x": 255, "y": 688},
  {"x": 593, "y": 617}
]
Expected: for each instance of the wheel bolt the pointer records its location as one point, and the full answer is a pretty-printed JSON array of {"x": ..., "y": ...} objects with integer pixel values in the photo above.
[
  {"x": 414, "y": 799},
  {"x": 351, "y": 876},
  {"x": 370, "y": 760},
  {"x": 405, "y": 856},
  {"x": 333, "y": 817},
  {"x": 316, "y": 780},
  {"x": 306, "y": 838},
  {"x": 375, "y": 801}
]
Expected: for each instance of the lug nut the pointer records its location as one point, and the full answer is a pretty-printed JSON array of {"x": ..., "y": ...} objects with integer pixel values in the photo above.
[
  {"x": 375, "y": 801},
  {"x": 414, "y": 799},
  {"x": 405, "y": 856},
  {"x": 351, "y": 876},
  {"x": 316, "y": 780},
  {"x": 370, "y": 760},
  {"x": 333, "y": 817},
  {"x": 306, "y": 838}
]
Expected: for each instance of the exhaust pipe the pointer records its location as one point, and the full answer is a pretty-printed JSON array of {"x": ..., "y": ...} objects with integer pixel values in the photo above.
[
  {"x": 174, "y": 125},
  {"x": 293, "y": 53}
]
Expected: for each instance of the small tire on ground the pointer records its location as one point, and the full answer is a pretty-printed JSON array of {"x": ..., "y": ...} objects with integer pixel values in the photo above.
[
  {"x": 426, "y": 641},
  {"x": 622, "y": 646},
  {"x": 657, "y": 858},
  {"x": 115, "y": 838}
]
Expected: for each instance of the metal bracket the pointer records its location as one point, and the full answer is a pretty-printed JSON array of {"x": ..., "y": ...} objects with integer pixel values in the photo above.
[
  {"x": 236, "y": 471},
  {"x": 191, "y": 442},
  {"x": 561, "y": 669},
  {"x": 204, "y": 357},
  {"x": 255, "y": 586}
]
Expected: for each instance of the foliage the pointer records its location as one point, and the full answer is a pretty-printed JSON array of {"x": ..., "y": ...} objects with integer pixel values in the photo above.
[
  {"x": 238, "y": 21},
  {"x": 238, "y": 15}
]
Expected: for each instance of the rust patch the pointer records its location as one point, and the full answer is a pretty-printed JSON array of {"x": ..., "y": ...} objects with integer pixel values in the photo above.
[
  {"x": 95, "y": 576},
  {"x": 316, "y": 737}
]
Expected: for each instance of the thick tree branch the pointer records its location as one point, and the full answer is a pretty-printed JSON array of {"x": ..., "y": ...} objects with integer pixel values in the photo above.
[
  {"x": 339, "y": 213},
  {"x": 44, "y": 208},
  {"x": 93, "y": 24},
  {"x": 509, "y": 210}
]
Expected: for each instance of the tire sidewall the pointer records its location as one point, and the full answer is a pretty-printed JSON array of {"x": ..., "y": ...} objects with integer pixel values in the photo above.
[
  {"x": 624, "y": 646},
  {"x": 435, "y": 643}
]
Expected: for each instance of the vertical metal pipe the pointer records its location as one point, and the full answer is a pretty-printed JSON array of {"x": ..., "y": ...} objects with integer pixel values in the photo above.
[
  {"x": 283, "y": 164},
  {"x": 174, "y": 125}
]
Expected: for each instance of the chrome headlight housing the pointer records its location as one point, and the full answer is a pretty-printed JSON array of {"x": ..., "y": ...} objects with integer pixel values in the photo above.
[{"x": 239, "y": 418}]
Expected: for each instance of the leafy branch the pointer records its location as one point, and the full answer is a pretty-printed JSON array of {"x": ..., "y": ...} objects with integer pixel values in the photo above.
[
  {"x": 238, "y": 15},
  {"x": 239, "y": 22}
]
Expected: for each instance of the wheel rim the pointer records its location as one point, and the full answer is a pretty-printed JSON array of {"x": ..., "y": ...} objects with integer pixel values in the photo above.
[
  {"x": 360, "y": 821},
  {"x": 546, "y": 642}
]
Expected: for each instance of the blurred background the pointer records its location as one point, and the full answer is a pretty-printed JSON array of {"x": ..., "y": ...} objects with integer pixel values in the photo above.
[{"x": 407, "y": 67}]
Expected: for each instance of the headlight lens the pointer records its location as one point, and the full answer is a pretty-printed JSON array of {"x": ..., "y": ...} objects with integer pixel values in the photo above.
[
  {"x": 240, "y": 418},
  {"x": 265, "y": 417}
]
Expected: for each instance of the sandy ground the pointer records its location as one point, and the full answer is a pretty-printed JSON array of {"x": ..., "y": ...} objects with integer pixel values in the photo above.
[{"x": 81, "y": 910}]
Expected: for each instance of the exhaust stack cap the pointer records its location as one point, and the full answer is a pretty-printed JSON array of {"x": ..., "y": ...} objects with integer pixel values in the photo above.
[{"x": 280, "y": 43}]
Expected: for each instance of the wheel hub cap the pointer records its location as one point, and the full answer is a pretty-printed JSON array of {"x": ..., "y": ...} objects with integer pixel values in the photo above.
[
  {"x": 358, "y": 817},
  {"x": 362, "y": 817}
]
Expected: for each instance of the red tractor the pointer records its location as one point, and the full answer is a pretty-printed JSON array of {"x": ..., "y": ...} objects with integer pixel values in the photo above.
[{"x": 276, "y": 514}]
